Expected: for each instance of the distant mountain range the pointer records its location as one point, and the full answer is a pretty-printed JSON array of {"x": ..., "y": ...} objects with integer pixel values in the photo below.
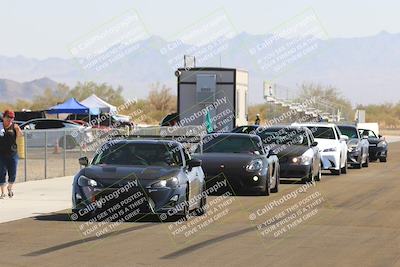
[
  {"x": 11, "y": 90},
  {"x": 365, "y": 69}
]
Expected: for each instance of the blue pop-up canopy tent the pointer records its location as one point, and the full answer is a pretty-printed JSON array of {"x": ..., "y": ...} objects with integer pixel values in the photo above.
[{"x": 72, "y": 106}]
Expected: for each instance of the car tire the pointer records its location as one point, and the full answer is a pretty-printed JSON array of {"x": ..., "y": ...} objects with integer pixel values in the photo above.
[
  {"x": 277, "y": 181},
  {"x": 202, "y": 209},
  {"x": 319, "y": 174},
  {"x": 344, "y": 169},
  {"x": 383, "y": 159},
  {"x": 70, "y": 142},
  {"x": 366, "y": 164},
  {"x": 185, "y": 213},
  {"x": 267, "y": 188},
  {"x": 310, "y": 177}
]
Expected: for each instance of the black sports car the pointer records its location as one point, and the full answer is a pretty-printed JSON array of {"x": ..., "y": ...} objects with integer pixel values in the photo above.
[
  {"x": 240, "y": 159},
  {"x": 297, "y": 151},
  {"x": 378, "y": 147},
  {"x": 145, "y": 176},
  {"x": 357, "y": 153}
]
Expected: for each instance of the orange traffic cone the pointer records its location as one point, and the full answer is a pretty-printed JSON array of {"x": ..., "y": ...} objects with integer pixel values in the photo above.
[{"x": 57, "y": 148}]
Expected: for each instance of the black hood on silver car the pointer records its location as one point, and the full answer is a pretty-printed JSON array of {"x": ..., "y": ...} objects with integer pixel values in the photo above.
[{"x": 109, "y": 174}]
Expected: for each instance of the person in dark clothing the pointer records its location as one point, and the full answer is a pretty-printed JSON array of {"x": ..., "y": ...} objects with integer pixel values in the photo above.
[
  {"x": 9, "y": 131},
  {"x": 257, "y": 122}
]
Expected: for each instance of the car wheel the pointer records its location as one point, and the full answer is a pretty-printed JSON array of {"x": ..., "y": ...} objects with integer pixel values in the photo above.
[
  {"x": 366, "y": 162},
  {"x": 318, "y": 177},
  {"x": 344, "y": 169},
  {"x": 310, "y": 177},
  {"x": 266, "y": 190},
  {"x": 185, "y": 213},
  {"x": 70, "y": 142},
  {"x": 383, "y": 159},
  {"x": 277, "y": 180},
  {"x": 202, "y": 209}
]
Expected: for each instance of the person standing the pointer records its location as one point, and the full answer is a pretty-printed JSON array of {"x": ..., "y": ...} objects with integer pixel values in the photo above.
[
  {"x": 257, "y": 122},
  {"x": 9, "y": 131}
]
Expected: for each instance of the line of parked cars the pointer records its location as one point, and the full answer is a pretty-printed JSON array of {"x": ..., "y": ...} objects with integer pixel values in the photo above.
[{"x": 249, "y": 159}]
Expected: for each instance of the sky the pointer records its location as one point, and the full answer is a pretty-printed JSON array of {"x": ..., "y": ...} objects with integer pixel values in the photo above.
[{"x": 46, "y": 28}]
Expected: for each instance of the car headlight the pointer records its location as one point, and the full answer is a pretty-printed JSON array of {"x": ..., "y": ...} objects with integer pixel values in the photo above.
[
  {"x": 171, "y": 182},
  {"x": 381, "y": 144},
  {"x": 302, "y": 160},
  {"x": 84, "y": 181},
  {"x": 332, "y": 149},
  {"x": 254, "y": 165},
  {"x": 353, "y": 148}
]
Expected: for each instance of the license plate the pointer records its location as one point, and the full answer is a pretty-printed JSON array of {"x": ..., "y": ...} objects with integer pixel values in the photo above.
[{"x": 372, "y": 144}]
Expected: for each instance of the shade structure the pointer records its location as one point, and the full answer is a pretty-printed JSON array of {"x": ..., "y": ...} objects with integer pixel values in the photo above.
[
  {"x": 94, "y": 101},
  {"x": 72, "y": 106}
]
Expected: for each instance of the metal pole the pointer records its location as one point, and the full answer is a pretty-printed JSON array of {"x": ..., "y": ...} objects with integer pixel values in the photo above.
[
  {"x": 65, "y": 151},
  {"x": 45, "y": 155},
  {"x": 26, "y": 157}
]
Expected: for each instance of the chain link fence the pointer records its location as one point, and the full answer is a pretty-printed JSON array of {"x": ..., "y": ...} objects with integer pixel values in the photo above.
[{"x": 48, "y": 154}]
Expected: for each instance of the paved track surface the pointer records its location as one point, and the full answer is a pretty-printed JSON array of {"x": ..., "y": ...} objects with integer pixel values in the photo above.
[{"x": 350, "y": 220}]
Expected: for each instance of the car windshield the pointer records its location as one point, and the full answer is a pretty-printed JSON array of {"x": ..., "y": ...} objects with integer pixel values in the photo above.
[
  {"x": 284, "y": 136},
  {"x": 349, "y": 131},
  {"x": 322, "y": 132},
  {"x": 368, "y": 133},
  {"x": 142, "y": 154},
  {"x": 231, "y": 144}
]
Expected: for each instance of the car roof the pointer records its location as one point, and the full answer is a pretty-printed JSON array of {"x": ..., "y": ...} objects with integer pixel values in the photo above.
[
  {"x": 244, "y": 135},
  {"x": 145, "y": 141},
  {"x": 289, "y": 127},
  {"x": 43, "y": 119},
  {"x": 316, "y": 124}
]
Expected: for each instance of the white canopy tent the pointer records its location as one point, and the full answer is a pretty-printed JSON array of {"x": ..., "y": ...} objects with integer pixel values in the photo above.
[{"x": 94, "y": 101}]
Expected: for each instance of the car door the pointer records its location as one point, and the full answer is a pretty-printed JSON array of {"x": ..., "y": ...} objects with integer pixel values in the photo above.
[
  {"x": 194, "y": 178},
  {"x": 316, "y": 157},
  {"x": 364, "y": 145},
  {"x": 343, "y": 145}
]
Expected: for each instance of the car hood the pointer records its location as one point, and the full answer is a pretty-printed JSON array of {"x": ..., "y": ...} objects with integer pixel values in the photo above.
[
  {"x": 353, "y": 142},
  {"x": 289, "y": 150},
  {"x": 374, "y": 140},
  {"x": 110, "y": 174},
  {"x": 212, "y": 161},
  {"x": 326, "y": 143}
]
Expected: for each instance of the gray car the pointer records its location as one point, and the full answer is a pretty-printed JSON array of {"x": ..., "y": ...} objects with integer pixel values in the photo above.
[
  {"x": 147, "y": 176},
  {"x": 358, "y": 146}
]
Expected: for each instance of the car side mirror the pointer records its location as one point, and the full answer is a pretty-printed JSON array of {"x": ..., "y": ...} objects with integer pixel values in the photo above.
[
  {"x": 194, "y": 163},
  {"x": 344, "y": 137},
  {"x": 380, "y": 136},
  {"x": 84, "y": 161},
  {"x": 314, "y": 143}
]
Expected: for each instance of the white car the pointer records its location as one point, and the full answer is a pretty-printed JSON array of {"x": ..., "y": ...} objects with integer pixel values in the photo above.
[{"x": 332, "y": 146}]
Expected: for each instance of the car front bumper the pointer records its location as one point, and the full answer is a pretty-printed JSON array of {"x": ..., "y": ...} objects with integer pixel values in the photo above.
[
  {"x": 330, "y": 160},
  {"x": 353, "y": 157},
  {"x": 295, "y": 171},
  {"x": 238, "y": 180},
  {"x": 377, "y": 152},
  {"x": 141, "y": 200}
]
